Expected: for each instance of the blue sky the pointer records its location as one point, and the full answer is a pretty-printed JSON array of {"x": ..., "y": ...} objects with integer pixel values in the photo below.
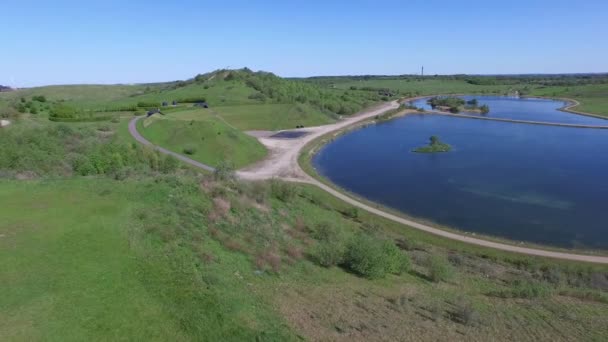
[{"x": 66, "y": 42}]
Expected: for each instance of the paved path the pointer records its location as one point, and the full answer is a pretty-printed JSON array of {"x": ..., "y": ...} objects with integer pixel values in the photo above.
[{"x": 283, "y": 163}]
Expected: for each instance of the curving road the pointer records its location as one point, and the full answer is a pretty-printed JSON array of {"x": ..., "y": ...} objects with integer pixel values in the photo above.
[{"x": 282, "y": 162}]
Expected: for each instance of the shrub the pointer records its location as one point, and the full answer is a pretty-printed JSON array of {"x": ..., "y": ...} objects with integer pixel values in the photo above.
[
  {"x": 169, "y": 164},
  {"x": 397, "y": 262},
  {"x": 373, "y": 258},
  {"x": 39, "y": 98},
  {"x": 526, "y": 289},
  {"x": 328, "y": 254},
  {"x": 283, "y": 191},
  {"x": 224, "y": 171},
  {"x": 439, "y": 269},
  {"x": 352, "y": 212},
  {"x": 189, "y": 150},
  {"x": 466, "y": 313}
]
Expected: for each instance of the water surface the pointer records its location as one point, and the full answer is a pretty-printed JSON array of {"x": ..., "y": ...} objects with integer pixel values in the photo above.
[
  {"x": 530, "y": 109},
  {"x": 540, "y": 184}
]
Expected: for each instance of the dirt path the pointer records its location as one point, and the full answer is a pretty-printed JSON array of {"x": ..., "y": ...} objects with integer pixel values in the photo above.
[{"x": 282, "y": 162}]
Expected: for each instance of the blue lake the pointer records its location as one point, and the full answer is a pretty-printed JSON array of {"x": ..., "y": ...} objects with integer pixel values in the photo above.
[
  {"x": 523, "y": 182},
  {"x": 530, "y": 109}
]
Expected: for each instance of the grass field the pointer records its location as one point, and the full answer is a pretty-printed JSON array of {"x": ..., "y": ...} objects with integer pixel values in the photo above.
[
  {"x": 95, "y": 274},
  {"x": 207, "y": 139},
  {"x": 273, "y": 116},
  {"x": 427, "y": 86},
  {"x": 179, "y": 259},
  {"x": 103, "y": 239}
]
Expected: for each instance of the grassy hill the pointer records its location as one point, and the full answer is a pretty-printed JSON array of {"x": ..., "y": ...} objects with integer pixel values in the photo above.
[
  {"x": 104, "y": 239},
  {"x": 180, "y": 257},
  {"x": 206, "y": 139}
]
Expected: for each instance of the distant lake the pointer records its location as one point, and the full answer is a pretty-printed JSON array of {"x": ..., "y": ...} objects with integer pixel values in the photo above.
[
  {"x": 523, "y": 182},
  {"x": 531, "y": 109}
]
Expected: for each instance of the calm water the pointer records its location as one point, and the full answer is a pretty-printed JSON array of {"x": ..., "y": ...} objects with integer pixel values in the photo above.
[
  {"x": 524, "y": 182},
  {"x": 526, "y": 109}
]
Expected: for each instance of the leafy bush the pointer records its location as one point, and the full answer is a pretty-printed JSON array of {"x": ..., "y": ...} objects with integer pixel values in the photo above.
[
  {"x": 62, "y": 150},
  {"x": 329, "y": 251},
  {"x": 439, "y": 269},
  {"x": 148, "y": 104},
  {"x": 465, "y": 312},
  {"x": 283, "y": 191},
  {"x": 224, "y": 171},
  {"x": 327, "y": 254},
  {"x": 373, "y": 258},
  {"x": 526, "y": 289},
  {"x": 189, "y": 150},
  {"x": 39, "y": 98}
]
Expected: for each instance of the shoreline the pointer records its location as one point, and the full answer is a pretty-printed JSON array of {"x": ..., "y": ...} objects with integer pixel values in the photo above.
[
  {"x": 283, "y": 162},
  {"x": 506, "y": 245}
]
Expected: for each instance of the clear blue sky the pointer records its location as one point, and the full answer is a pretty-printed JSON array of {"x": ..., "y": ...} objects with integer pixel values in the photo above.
[{"x": 62, "y": 42}]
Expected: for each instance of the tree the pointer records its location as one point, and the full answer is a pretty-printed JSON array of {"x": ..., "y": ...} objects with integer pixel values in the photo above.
[
  {"x": 472, "y": 102},
  {"x": 434, "y": 140},
  {"x": 484, "y": 109}
]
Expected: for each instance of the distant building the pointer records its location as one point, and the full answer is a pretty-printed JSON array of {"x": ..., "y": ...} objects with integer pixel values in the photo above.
[
  {"x": 174, "y": 103},
  {"x": 165, "y": 104}
]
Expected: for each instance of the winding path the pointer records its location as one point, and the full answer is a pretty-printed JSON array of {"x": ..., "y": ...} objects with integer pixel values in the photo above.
[
  {"x": 282, "y": 162},
  {"x": 135, "y": 134}
]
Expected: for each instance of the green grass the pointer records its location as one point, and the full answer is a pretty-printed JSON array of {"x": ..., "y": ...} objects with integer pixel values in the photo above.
[
  {"x": 273, "y": 116},
  {"x": 210, "y": 139},
  {"x": 427, "y": 86},
  {"x": 82, "y": 95},
  {"x": 593, "y": 98},
  {"x": 177, "y": 258},
  {"x": 96, "y": 274}
]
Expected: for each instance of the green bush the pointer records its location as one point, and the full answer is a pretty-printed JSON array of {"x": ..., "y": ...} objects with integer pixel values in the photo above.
[
  {"x": 61, "y": 150},
  {"x": 39, "y": 98},
  {"x": 373, "y": 258},
  {"x": 224, "y": 171},
  {"x": 189, "y": 150},
  {"x": 328, "y": 254},
  {"x": 526, "y": 289},
  {"x": 439, "y": 269},
  {"x": 283, "y": 191}
]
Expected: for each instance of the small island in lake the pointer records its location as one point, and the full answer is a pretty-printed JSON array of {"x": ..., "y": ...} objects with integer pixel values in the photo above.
[
  {"x": 434, "y": 146},
  {"x": 455, "y": 105}
]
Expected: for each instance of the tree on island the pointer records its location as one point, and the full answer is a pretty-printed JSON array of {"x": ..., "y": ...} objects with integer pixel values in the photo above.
[
  {"x": 484, "y": 109},
  {"x": 472, "y": 102},
  {"x": 435, "y": 145}
]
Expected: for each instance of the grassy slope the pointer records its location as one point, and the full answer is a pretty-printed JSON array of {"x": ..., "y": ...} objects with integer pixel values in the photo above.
[
  {"x": 273, "y": 116},
  {"x": 212, "y": 139},
  {"x": 593, "y": 98},
  {"x": 92, "y": 274},
  {"x": 137, "y": 261}
]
